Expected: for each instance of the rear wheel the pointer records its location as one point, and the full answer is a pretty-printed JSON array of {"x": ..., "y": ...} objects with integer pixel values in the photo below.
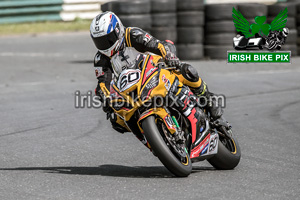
[
  {"x": 174, "y": 160},
  {"x": 229, "y": 154}
]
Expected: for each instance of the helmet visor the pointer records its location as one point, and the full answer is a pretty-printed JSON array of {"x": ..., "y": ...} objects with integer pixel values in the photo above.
[{"x": 106, "y": 41}]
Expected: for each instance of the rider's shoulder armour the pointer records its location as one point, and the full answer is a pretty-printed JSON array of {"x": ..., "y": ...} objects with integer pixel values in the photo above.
[{"x": 101, "y": 60}]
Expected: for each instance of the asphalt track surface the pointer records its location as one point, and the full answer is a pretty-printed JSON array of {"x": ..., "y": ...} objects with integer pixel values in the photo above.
[{"x": 50, "y": 150}]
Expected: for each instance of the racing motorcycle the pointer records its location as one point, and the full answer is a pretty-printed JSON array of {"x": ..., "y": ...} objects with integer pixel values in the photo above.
[
  {"x": 276, "y": 39},
  {"x": 166, "y": 131}
]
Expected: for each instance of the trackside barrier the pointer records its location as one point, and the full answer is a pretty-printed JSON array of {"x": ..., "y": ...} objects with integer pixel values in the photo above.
[
  {"x": 20, "y": 11},
  {"x": 244, "y": 1},
  {"x": 216, "y": 15},
  {"x": 218, "y": 27}
]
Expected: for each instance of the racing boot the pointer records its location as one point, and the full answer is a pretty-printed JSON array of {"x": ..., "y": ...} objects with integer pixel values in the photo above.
[
  {"x": 208, "y": 101},
  {"x": 189, "y": 76},
  {"x": 205, "y": 99}
]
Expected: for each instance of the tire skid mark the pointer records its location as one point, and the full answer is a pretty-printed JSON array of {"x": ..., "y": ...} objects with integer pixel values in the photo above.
[
  {"x": 90, "y": 132},
  {"x": 276, "y": 114},
  {"x": 24, "y": 131}
]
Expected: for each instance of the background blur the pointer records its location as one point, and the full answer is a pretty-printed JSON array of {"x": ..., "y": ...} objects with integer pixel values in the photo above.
[
  {"x": 200, "y": 29},
  {"x": 50, "y": 150}
]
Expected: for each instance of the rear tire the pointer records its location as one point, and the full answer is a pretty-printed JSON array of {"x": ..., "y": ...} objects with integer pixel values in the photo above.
[
  {"x": 226, "y": 159},
  {"x": 162, "y": 151}
]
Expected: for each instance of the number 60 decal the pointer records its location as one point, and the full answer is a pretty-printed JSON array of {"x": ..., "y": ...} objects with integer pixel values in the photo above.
[{"x": 128, "y": 78}]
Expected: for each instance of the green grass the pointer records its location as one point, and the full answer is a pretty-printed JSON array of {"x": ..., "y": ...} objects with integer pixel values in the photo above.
[{"x": 44, "y": 27}]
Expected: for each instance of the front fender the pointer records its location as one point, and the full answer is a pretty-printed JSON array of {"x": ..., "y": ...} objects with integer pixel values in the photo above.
[{"x": 163, "y": 114}]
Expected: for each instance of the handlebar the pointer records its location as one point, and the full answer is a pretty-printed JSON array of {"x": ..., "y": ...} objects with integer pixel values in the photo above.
[{"x": 177, "y": 67}]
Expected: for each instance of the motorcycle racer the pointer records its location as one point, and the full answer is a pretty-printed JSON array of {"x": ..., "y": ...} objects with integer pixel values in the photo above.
[
  {"x": 112, "y": 38},
  {"x": 276, "y": 39}
]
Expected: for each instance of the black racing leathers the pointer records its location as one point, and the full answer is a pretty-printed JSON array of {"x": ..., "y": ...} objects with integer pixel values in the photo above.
[{"x": 138, "y": 39}]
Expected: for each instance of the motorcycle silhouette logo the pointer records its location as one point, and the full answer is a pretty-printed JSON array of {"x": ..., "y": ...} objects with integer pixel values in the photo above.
[{"x": 260, "y": 34}]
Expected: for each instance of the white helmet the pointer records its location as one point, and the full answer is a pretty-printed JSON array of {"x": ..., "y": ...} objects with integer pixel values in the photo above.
[
  {"x": 107, "y": 32},
  {"x": 285, "y": 32}
]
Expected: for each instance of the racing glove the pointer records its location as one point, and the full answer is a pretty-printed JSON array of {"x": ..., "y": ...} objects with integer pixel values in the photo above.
[{"x": 172, "y": 60}]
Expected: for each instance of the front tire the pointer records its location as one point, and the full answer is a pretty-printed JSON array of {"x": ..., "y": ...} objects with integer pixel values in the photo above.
[
  {"x": 165, "y": 155},
  {"x": 228, "y": 157}
]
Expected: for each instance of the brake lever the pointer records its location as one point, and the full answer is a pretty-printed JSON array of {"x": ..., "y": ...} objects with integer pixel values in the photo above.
[
  {"x": 177, "y": 67},
  {"x": 170, "y": 68}
]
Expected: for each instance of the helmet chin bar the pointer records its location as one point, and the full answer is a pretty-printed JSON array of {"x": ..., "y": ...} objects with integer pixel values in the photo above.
[{"x": 111, "y": 51}]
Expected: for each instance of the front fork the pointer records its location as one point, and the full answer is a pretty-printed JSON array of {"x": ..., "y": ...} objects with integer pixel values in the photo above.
[{"x": 170, "y": 122}]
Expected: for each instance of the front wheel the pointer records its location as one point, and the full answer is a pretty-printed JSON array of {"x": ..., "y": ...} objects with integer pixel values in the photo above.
[
  {"x": 228, "y": 156},
  {"x": 162, "y": 149}
]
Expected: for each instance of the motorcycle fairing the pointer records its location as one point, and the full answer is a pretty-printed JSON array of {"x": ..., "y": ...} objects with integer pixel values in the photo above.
[
  {"x": 119, "y": 102},
  {"x": 136, "y": 87},
  {"x": 148, "y": 69},
  {"x": 213, "y": 144},
  {"x": 128, "y": 79},
  {"x": 208, "y": 146},
  {"x": 163, "y": 114},
  {"x": 199, "y": 149}
]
